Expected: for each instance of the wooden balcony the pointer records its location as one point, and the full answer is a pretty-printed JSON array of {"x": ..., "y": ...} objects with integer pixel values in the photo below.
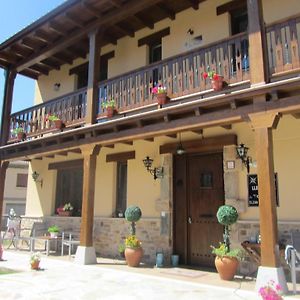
[{"x": 181, "y": 74}]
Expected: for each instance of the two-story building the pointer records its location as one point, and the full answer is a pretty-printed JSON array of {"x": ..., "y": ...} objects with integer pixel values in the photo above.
[{"x": 85, "y": 53}]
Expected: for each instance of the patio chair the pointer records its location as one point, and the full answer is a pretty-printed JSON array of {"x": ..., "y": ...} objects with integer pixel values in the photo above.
[
  {"x": 292, "y": 257},
  {"x": 70, "y": 240}
]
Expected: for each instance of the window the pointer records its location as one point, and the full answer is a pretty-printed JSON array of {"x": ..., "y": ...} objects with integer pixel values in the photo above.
[
  {"x": 121, "y": 200},
  {"x": 154, "y": 56},
  {"x": 22, "y": 180},
  {"x": 69, "y": 189}
]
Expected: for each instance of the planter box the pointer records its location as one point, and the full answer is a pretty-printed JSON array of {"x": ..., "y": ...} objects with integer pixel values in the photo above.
[{"x": 65, "y": 213}]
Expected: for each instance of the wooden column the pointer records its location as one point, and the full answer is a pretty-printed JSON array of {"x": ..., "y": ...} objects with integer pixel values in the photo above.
[
  {"x": 7, "y": 104},
  {"x": 257, "y": 43},
  {"x": 3, "y": 168},
  {"x": 89, "y": 153},
  {"x": 263, "y": 124},
  {"x": 93, "y": 76}
]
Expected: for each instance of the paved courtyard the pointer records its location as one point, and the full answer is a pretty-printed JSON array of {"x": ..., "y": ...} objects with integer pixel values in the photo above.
[{"x": 63, "y": 279}]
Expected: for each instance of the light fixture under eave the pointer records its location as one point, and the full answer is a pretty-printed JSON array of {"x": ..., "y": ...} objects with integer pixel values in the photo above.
[
  {"x": 156, "y": 172},
  {"x": 180, "y": 150},
  {"x": 242, "y": 151},
  {"x": 35, "y": 175}
]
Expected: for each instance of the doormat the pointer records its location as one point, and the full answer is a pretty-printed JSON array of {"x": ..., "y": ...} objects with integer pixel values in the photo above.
[{"x": 184, "y": 272}]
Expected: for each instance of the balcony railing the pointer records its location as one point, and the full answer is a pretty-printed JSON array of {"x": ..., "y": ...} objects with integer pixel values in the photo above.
[
  {"x": 70, "y": 108},
  {"x": 182, "y": 74},
  {"x": 283, "y": 45}
]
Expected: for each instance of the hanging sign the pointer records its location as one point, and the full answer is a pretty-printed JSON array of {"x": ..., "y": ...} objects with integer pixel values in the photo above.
[{"x": 253, "y": 190}]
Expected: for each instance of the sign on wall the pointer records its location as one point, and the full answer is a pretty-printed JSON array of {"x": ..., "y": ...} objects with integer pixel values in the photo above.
[{"x": 253, "y": 190}]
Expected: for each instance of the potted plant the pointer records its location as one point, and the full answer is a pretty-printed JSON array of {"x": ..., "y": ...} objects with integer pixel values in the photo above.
[
  {"x": 133, "y": 248},
  {"x": 65, "y": 210},
  {"x": 121, "y": 250},
  {"x": 56, "y": 120},
  {"x": 227, "y": 259},
  {"x": 110, "y": 107},
  {"x": 19, "y": 132},
  {"x": 216, "y": 80},
  {"x": 53, "y": 230},
  {"x": 161, "y": 94},
  {"x": 35, "y": 259},
  {"x": 271, "y": 291}
]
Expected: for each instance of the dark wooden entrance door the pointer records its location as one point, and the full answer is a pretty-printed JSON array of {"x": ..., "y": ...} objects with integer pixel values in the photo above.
[{"x": 199, "y": 191}]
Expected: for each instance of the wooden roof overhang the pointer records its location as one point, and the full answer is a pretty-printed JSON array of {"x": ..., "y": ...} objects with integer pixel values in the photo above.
[
  {"x": 62, "y": 35},
  {"x": 219, "y": 110}
]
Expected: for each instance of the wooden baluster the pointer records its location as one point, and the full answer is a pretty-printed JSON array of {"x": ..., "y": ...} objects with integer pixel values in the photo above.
[
  {"x": 294, "y": 45},
  {"x": 286, "y": 44},
  {"x": 238, "y": 58},
  {"x": 191, "y": 74},
  {"x": 179, "y": 76},
  {"x": 225, "y": 62},
  {"x": 278, "y": 49}
]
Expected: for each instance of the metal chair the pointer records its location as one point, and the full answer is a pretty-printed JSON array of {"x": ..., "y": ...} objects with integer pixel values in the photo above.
[
  {"x": 69, "y": 240},
  {"x": 292, "y": 255}
]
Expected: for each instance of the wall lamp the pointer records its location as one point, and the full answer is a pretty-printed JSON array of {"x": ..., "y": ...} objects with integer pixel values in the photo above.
[
  {"x": 242, "y": 151},
  {"x": 56, "y": 86},
  {"x": 156, "y": 172},
  {"x": 35, "y": 175}
]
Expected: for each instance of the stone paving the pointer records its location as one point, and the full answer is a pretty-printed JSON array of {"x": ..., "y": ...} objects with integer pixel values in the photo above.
[{"x": 63, "y": 279}]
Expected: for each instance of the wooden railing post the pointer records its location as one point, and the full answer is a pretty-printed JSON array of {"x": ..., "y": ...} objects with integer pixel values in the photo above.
[
  {"x": 257, "y": 43},
  {"x": 7, "y": 104},
  {"x": 93, "y": 76}
]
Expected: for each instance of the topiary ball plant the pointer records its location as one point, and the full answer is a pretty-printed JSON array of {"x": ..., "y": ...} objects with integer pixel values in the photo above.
[
  {"x": 133, "y": 214},
  {"x": 227, "y": 215}
]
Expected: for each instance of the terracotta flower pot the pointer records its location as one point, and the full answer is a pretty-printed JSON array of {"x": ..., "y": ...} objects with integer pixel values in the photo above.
[
  {"x": 35, "y": 265},
  {"x": 133, "y": 256},
  {"x": 162, "y": 98},
  {"x": 226, "y": 267},
  {"x": 110, "y": 111},
  {"x": 21, "y": 136},
  {"x": 58, "y": 124},
  {"x": 64, "y": 213},
  {"x": 217, "y": 84}
]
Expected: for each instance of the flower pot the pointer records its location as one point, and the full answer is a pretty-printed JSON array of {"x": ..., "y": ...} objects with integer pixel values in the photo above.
[
  {"x": 64, "y": 213},
  {"x": 53, "y": 234},
  {"x": 110, "y": 111},
  {"x": 21, "y": 136},
  {"x": 58, "y": 124},
  {"x": 133, "y": 256},
  {"x": 217, "y": 84},
  {"x": 175, "y": 260},
  {"x": 35, "y": 265},
  {"x": 162, "y": 98},
  {"x": 226, "y": 266}
]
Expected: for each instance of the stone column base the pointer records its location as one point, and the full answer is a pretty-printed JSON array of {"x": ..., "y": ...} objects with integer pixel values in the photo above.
[
  {"x": 85, "y": 255},
  {"x": 265, "y": 274}
]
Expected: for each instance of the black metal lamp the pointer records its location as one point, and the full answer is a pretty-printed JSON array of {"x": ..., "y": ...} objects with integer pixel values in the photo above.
[
  {"x": 35, "y": 175},
  {"x": 242, "y": 151},
  {"x": 180, "y": 150},
  {"x": 156, "y": 172}
]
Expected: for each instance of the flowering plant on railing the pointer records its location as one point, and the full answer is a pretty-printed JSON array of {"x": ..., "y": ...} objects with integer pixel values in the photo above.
[
  {"x": 212, "y": 75},
  {"x": 271, "y": 291},
  {"x": 159, "y": 89},
  {"x": 52, "y": 118},
  {"x": 17, "y": 130}
]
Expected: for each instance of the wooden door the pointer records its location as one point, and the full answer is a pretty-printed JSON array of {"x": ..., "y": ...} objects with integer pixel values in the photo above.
[{"x": 199, "y": 191}]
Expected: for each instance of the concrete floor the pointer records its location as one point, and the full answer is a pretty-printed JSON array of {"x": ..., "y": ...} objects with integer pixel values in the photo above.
[{"x": 61, "y": 278}]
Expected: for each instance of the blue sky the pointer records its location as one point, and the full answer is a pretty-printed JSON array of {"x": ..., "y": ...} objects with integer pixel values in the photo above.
[{"x": 15, "y": 15}]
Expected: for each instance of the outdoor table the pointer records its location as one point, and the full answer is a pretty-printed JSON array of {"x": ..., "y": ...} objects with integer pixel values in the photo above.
[{"x": 48, "y": 241}]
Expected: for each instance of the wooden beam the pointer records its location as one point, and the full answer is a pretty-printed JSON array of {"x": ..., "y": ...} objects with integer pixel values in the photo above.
[
  {"x": 172, "y": 136},
  {"x": 151, "y": 139},
  {"x": 57, "y": 28},
  {"x": 40, "y": 69},
  {"x": 167, "y": 10},
  {"x": 93, "y": 76},
  {"x": 266, "y": 190},
  {"x": 257, "y": 43},
  {"x": 7, "y": 105},
  {"x": 128, "y": 9},
  {"x": 88, "y": 191},
  {"x": 62, "y": 153},
  {"x": 153, "y": 37},
  {"x": 76, "y": 163},
  {"x": 123, "y": 156},
  {"x": 144, "y": 20},
  {"x": 199, "y": 131},
  {"x": 75, "y": 151},
  {"x": 215, "y": 143},
  {"x": 42, "y": 36},
  {"x": 195, "y": 4},
  {"x": 73, "y": 20},
  {"x": 129, "y": 143},
  {"x": 227, "y": 126},
  {"x": 230, "y": 6},
  {"x": 30, "y": 73}
]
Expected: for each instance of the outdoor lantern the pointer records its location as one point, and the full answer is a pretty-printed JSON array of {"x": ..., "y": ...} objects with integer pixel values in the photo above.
[
  {"x": 156, "y": 172},
  {"x": 242, "y": 151},
  {"x": 180, "y": 150},
  {"x": 35, "y": 175}
]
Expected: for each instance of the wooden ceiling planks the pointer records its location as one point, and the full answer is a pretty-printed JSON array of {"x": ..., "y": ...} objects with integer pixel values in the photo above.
[{"x": 66, "y": 26}]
